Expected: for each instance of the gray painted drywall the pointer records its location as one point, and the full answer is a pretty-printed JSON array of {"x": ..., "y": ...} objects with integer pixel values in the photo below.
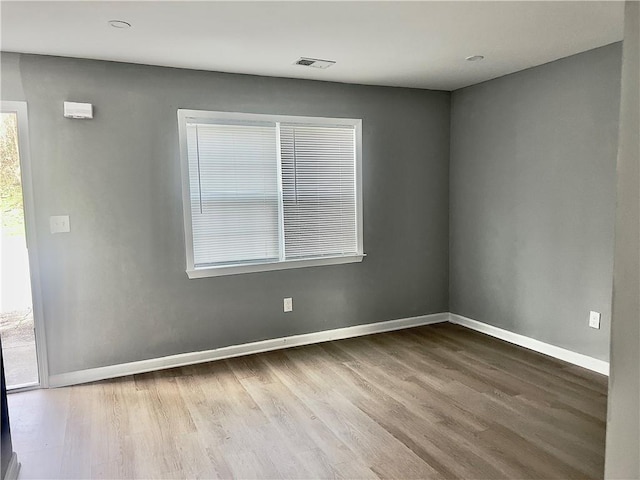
[
  {"x": 533, "y": 199},
  {"x": 115, "y": 289},
  {"x": 623, "y": 444},
  {"x": 10, "y": 80}
]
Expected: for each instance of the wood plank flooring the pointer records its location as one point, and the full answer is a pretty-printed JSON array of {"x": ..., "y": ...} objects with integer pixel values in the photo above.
[{"x": 439, "y": 401}]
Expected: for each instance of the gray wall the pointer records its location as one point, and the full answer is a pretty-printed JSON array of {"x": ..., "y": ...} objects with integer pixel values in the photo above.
[
  {"x": 623, "y": 444},
  {"x": 533, "y": 200},
  {"x": 115, "y": 288},
  {"x": 531, "y": 175}
]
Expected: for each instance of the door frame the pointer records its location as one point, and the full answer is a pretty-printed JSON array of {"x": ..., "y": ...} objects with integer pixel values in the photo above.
[{"x": 20, "y": 109}]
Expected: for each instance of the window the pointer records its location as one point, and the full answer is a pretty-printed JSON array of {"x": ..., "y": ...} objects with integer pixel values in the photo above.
[{"x": 267, "y": 192}]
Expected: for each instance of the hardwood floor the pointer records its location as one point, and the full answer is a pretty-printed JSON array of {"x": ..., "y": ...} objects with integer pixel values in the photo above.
[{"x": 431, "y": 402}]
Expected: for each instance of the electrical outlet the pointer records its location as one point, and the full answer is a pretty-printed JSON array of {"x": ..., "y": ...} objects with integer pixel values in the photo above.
[
  {"x": 594, "y": 319},
  {"x": 288, "y": 304}
]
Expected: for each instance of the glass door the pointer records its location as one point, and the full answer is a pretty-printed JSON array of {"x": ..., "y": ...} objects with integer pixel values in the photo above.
[{"x": 17, "y": 326}]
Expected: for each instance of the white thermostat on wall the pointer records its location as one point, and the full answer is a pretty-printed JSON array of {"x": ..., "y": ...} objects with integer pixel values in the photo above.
[{"x": 78, "y": 110}]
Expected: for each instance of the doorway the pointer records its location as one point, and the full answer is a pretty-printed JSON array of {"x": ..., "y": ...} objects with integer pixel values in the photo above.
[{"x": 18, "y": 311}]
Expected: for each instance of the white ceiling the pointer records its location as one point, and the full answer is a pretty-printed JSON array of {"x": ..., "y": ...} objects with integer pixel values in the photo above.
[{"x": 410, "y": 44}]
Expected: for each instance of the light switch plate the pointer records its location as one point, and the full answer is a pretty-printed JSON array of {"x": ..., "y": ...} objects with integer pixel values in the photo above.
[
  {"x": 288, "y": 304},
  {"x": 594, "y": 319},
  {"x": 59, "y": 224}
]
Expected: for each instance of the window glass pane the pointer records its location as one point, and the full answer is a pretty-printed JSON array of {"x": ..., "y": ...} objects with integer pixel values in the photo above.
[
  {"x": 234, "y": 193},
  {"x": 319, "y": 190}
]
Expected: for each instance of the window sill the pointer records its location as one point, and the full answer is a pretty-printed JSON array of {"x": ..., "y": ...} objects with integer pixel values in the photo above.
[{"x": 204, "y": 272}]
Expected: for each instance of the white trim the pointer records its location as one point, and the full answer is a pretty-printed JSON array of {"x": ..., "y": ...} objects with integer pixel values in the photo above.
[
  {"x": 20, "y": 108},
  {"x": 191, "y": 358},
  {"x": 101, "y": 373},
  {"x": 359, "y": 188},
  {"x": 24, "y": 387},
  {"x": 267, "y": 118},
  {"x": 186, "y": 189},
  {"x": 267, "y": 267},
  {"x": 13, "y": 468},
  {"x": 579, "y": 359}
]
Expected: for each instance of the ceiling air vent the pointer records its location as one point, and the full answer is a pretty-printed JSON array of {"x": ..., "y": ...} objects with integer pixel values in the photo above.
[{"x": 314, "y": 62}]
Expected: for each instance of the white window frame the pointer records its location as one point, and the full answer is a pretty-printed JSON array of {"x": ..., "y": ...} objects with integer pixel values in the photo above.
[{"x": 185, "y": 115}]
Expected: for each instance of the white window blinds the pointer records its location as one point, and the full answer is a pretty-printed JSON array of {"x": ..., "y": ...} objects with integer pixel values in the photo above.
[
  {"x": 318, "y": 188},
  {"x": 234, "y": 193},
  {"x": 269, "y": 190}
]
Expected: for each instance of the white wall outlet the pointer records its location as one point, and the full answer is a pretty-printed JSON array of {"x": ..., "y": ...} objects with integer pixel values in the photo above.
[
  {"x": 288, "y": 304},
  {"x": 594, "y": 319},
  {"x": 59, "y": 224}
]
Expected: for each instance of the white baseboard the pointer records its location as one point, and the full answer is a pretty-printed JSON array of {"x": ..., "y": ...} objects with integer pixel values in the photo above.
[
  {"x": 123, "y": 369},
  {"x": 191, "y": 358},
  {"x": 579, "y": 359},
  {"x": 13, "y": 468}
]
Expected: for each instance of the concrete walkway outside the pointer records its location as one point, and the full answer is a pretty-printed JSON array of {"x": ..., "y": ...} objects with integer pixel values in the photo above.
[
  {"x": 16, "y": 315},
  {"x": 18, "y": 348}
]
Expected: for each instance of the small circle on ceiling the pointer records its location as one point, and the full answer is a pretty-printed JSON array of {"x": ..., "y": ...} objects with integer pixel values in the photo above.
[
  {"x": 119, "y": 24},
  {"x": 474, "y": 58}
]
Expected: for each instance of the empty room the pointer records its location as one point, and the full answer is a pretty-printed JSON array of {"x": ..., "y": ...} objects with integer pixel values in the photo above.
[{"x": 320, "y": 239}]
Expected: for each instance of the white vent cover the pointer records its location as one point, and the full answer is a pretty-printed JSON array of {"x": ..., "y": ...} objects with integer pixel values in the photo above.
[{"x": 314, "y": 62}]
